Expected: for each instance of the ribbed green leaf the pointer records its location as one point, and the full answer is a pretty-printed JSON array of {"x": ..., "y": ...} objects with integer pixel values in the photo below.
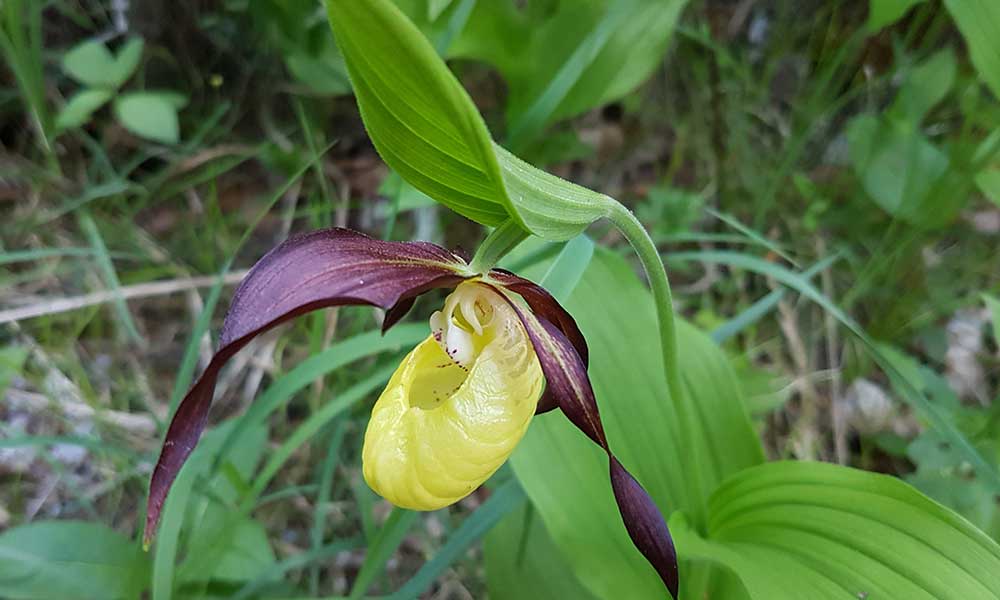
[
  {"x": 419, "y": 117},
  {"x": 550, "y": 207},
  {"x": 815, "y": 530},
  {"x": 565, "y": 476},
  {"x": 425, "y": 126}
]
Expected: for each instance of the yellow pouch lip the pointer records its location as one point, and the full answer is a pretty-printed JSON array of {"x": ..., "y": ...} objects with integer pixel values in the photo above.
[{"x": 425, "y": 455}]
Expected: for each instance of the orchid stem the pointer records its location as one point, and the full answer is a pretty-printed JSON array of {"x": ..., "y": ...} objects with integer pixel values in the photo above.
[
  {"x": 627, "y": 223},
  {"x": 497, "y": 244}
]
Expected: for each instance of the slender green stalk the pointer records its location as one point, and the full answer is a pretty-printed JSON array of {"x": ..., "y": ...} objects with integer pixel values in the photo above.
[
  {"x": 498, "y": 243},
  {"x": 627, "y": 223},
  {"x": 649, "y": 257}
]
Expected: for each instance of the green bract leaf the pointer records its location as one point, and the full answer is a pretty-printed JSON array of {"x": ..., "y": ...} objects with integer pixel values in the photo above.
[
  {"x": 550, "y": 207},
  {"x": 979, "y": 22},
  {"x": 80, "y": 107},
  {"x": 90, "y": 63},
  {"x": 815, "y": 530},
  {"x": 150, "y": 115},
  {"x": 426, "y": 127},
  {"x": 70, "y": 559},
  {"x": 419, "y": 117}
]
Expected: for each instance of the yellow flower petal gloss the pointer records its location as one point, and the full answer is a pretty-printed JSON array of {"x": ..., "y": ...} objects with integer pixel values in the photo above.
[{"x": 457, "y": 405}]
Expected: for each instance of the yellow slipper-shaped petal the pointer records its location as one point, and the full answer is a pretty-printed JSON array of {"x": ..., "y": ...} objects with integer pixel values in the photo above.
[{"x": 456, "y": 407}]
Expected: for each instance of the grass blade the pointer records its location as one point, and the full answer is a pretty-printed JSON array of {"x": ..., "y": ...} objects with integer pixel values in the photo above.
[
  {"x": 382, "y": 547},
  {"x": 504, "y": 500}
]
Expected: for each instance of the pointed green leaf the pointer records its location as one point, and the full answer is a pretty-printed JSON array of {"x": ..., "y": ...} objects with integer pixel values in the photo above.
[
  {"x": 818, "y": 531},
  {"x": 80, "y": 107},
  {"x": 149, "y": 115},
  {"x": 419, "y": 117}
]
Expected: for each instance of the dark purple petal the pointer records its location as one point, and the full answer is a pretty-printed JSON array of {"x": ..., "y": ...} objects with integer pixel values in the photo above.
[
  {"x": 330, "y": 267},
  {"x": 567, "y": 382},
  {"x": 544, "y": 305},
  {"x": 645, "y": 525}
]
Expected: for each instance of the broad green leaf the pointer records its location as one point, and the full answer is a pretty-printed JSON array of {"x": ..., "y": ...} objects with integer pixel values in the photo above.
[
  {"x": 91, "y": 63},
  {"x": 127, "y": 61},
  {"x": 886, "y": 12},
  {"x": 523, "y": 562},
  {"x": 426, "y": 127},
  {"x": 565, "y": 476},
  {"x": 70, "y": 559},
  {"x": 815, "y": 530},
  {"x": 80, "y": 107},
  {"x": 150, "y": 115},
  {"x": 979, "y": 22}
]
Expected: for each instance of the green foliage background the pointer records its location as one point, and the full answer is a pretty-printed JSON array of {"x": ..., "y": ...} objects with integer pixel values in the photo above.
[{"x": 822, "y": 180}]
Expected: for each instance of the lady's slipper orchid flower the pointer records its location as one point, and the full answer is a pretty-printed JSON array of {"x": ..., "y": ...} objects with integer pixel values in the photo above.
[{"x": 501, "y": 350}]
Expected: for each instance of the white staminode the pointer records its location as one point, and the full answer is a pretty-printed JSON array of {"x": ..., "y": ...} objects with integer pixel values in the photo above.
[{"x": 454, "y": 332}]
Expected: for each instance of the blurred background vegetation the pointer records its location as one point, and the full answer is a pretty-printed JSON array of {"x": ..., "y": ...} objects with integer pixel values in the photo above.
[{"x": 151, "y": 151}]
